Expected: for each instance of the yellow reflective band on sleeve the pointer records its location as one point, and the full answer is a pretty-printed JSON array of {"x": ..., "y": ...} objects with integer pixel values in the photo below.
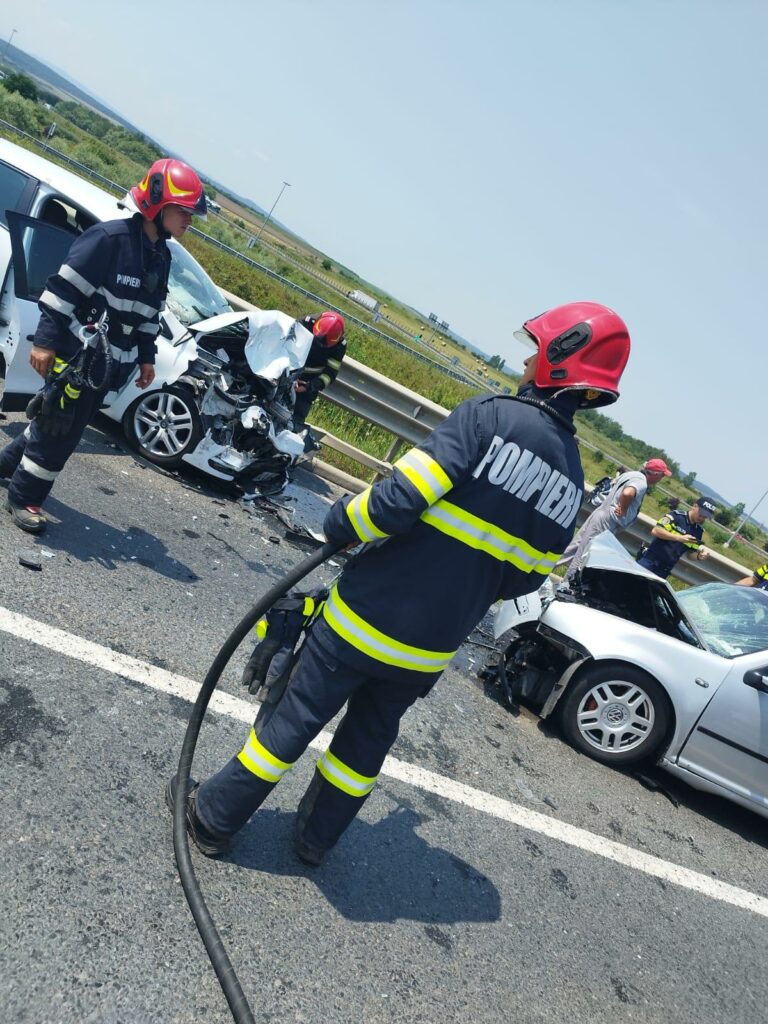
[
  {"x": 59, "y": 365},
  {"x": 71, "y": 392},
  {"x": 427, "y": 476},
  {"x": 334, "y": 364},
  {"x": 261, "y": 627},
  {"x": 371, "y": 641},
  {"x": 309, "y": 606},
  {"x": 762, "y": 572},
  {"x": 325, "y": 378},
  {"x": 359, "y": 517},
  {"x": 344, "y": 777},
  {"x": 258, "y": 760},
  {"x": 484, "y": 536}
]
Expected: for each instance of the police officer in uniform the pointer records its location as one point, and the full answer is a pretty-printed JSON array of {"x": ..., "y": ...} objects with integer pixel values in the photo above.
[
  {"x": 116, "y": 271},
  {"x": 323, "y": 362},
  {"x": 480, "y": 511},
  {"x": 676, "y": 534},
  {"x": 759, "y": 578}
]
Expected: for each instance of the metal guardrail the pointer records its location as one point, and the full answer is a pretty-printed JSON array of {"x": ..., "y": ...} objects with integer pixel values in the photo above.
[
  {"x": 689, "y": 570},
  {"x": 411, "y": 418},
  {"x": 407, "y": 415},
  {"x": 286, "y": 282}
]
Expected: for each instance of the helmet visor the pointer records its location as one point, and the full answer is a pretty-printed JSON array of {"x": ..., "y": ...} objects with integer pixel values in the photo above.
[{"x": 526, "y": 339}]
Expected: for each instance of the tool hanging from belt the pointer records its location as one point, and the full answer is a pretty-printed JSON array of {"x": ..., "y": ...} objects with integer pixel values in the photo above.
[{"x": 54, "y": 405}]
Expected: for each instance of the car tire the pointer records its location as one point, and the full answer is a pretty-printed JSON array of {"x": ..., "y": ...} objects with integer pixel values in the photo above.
[
  {"x": 164, "y": 425},
  {"x": 618, "y": 715}
]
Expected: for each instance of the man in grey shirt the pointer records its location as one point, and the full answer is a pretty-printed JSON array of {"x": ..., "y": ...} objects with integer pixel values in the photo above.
[{"x": 619, "y": 510}]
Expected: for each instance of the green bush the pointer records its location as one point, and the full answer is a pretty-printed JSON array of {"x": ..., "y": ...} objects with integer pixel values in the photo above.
[{"x": 25, "y": 114}]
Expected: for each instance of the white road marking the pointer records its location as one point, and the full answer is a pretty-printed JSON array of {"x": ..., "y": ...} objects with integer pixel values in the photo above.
[{"x": 187, "y": 689}]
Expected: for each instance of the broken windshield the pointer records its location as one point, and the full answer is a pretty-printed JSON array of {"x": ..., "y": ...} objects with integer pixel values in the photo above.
[
  {"x": 732, "y": 620},
  {"x": 192, "y": 295}
]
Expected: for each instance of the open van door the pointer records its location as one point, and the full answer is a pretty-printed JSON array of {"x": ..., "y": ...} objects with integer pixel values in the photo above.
[{"x": 38, "y": 249}]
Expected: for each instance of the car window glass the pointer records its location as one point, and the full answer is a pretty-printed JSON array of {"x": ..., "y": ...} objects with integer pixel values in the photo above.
[
  {"x": 12, "y": 186},
  {"x": 62, "y": 214},
  {"x": 732, "y": 620},
  {"x": 45, "y": 249},
  {"x": 670, "y": 619},
  {"x": 192, "y": 295}
]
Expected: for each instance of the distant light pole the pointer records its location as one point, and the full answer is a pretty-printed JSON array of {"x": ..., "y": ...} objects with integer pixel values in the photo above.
[
  {"x": 743, "y": 520},
  {"x": 7, "y": 45},
  {"x": 286, "y": 184}
]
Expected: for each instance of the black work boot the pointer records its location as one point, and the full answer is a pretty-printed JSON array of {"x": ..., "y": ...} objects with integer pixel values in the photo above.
[
  {"x": 27, "y": 517},
  {"x": 207, "y": 842},
  {"x": 307, "y": 853}
]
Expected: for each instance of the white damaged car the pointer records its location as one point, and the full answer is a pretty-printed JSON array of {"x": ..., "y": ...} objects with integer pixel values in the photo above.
[
  {"x": 222, "y": 399},
  {"x": 635, "y": 671}
]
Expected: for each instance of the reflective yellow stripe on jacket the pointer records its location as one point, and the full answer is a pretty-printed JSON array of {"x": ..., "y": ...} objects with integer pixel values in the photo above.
[
  {"x": 672, "y": 528},
  {"x": 378, "y": 645},
  {"x": 343, "y": 777},
  {"x": 258, "y": 760},
  {"x": 359, "y": 517},
  {"x": 427, "y": 476},
  {"x": 484, "y": 536}
]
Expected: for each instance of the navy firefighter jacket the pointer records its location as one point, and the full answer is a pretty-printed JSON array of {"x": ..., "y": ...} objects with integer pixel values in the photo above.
[
  {"x": 114, "y": 268},
  {"x": 323, "y": 361},
  {"x": 481, "y": 510}
]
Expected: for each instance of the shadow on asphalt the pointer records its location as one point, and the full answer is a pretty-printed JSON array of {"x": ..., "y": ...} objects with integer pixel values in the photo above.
[
  {"x": 80, "y": 536},
  {"x": 381, "y": 872}
]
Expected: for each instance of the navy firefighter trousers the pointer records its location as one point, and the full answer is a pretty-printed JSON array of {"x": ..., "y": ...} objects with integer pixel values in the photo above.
[
  {"x": 345, "y": 774},
  {"x": 34, "y": 459}
]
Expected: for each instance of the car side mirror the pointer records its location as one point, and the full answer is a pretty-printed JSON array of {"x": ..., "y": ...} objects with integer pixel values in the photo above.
[
  {"x": 165, "y": 329},
  {"x": 756, "y": 680}
]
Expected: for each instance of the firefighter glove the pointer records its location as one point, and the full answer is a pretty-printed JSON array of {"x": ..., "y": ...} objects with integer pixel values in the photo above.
[{"x": 57, "y": 408}]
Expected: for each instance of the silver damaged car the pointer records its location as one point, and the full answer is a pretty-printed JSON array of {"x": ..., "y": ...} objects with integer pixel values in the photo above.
[{"x": 637, "y": 672}]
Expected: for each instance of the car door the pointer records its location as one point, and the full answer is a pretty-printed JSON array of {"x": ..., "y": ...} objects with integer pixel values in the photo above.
[
  {"x": 17, "y": 189},
  {"x": 37, "y": 250},
  {"x": 729, "y": 744}
]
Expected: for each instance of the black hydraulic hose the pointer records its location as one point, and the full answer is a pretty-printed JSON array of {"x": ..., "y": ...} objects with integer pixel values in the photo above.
[{"x": 225, "y": 972}]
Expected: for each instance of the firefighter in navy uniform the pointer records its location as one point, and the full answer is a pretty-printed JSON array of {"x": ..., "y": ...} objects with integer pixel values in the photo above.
[
  {"x": 677, "y": 533},
  {"x": 117, "y": 270},
  {"x": 479, "y": 511},
  {"x": 323, "y": 362}
]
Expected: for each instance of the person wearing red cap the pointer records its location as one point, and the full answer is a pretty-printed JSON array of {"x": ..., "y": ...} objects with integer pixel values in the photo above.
[
  {"x": 323, "y": 362},
  {"x": 618, "y": 511}
]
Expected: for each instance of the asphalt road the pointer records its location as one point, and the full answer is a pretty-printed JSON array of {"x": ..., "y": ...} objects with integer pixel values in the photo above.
[{"x": 447, "y": 900}]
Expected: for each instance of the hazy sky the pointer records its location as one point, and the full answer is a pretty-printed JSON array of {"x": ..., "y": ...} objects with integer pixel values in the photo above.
[{"x": 488, "y": 159}]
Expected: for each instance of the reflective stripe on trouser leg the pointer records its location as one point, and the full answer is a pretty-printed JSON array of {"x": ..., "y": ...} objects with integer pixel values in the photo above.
[
  {"x": 44, "y": 456},
  {"x": 347, "y": 772},
  {"x": 314, "y": 695},
  {"x": 226, "y": 801}
]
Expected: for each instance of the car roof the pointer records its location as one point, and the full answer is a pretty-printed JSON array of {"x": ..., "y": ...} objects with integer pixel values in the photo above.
[{"x": 92, "y": 198}]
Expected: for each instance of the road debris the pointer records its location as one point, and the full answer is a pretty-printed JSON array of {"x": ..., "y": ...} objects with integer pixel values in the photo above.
[{"x": 31, "y": 558}]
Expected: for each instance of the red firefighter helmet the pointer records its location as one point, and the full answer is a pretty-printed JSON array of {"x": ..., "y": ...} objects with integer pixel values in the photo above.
[
  {"x": 329, "y": 327},
  {"x": 582, "y": 346},
  {"x": 169, "y": 182}
]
